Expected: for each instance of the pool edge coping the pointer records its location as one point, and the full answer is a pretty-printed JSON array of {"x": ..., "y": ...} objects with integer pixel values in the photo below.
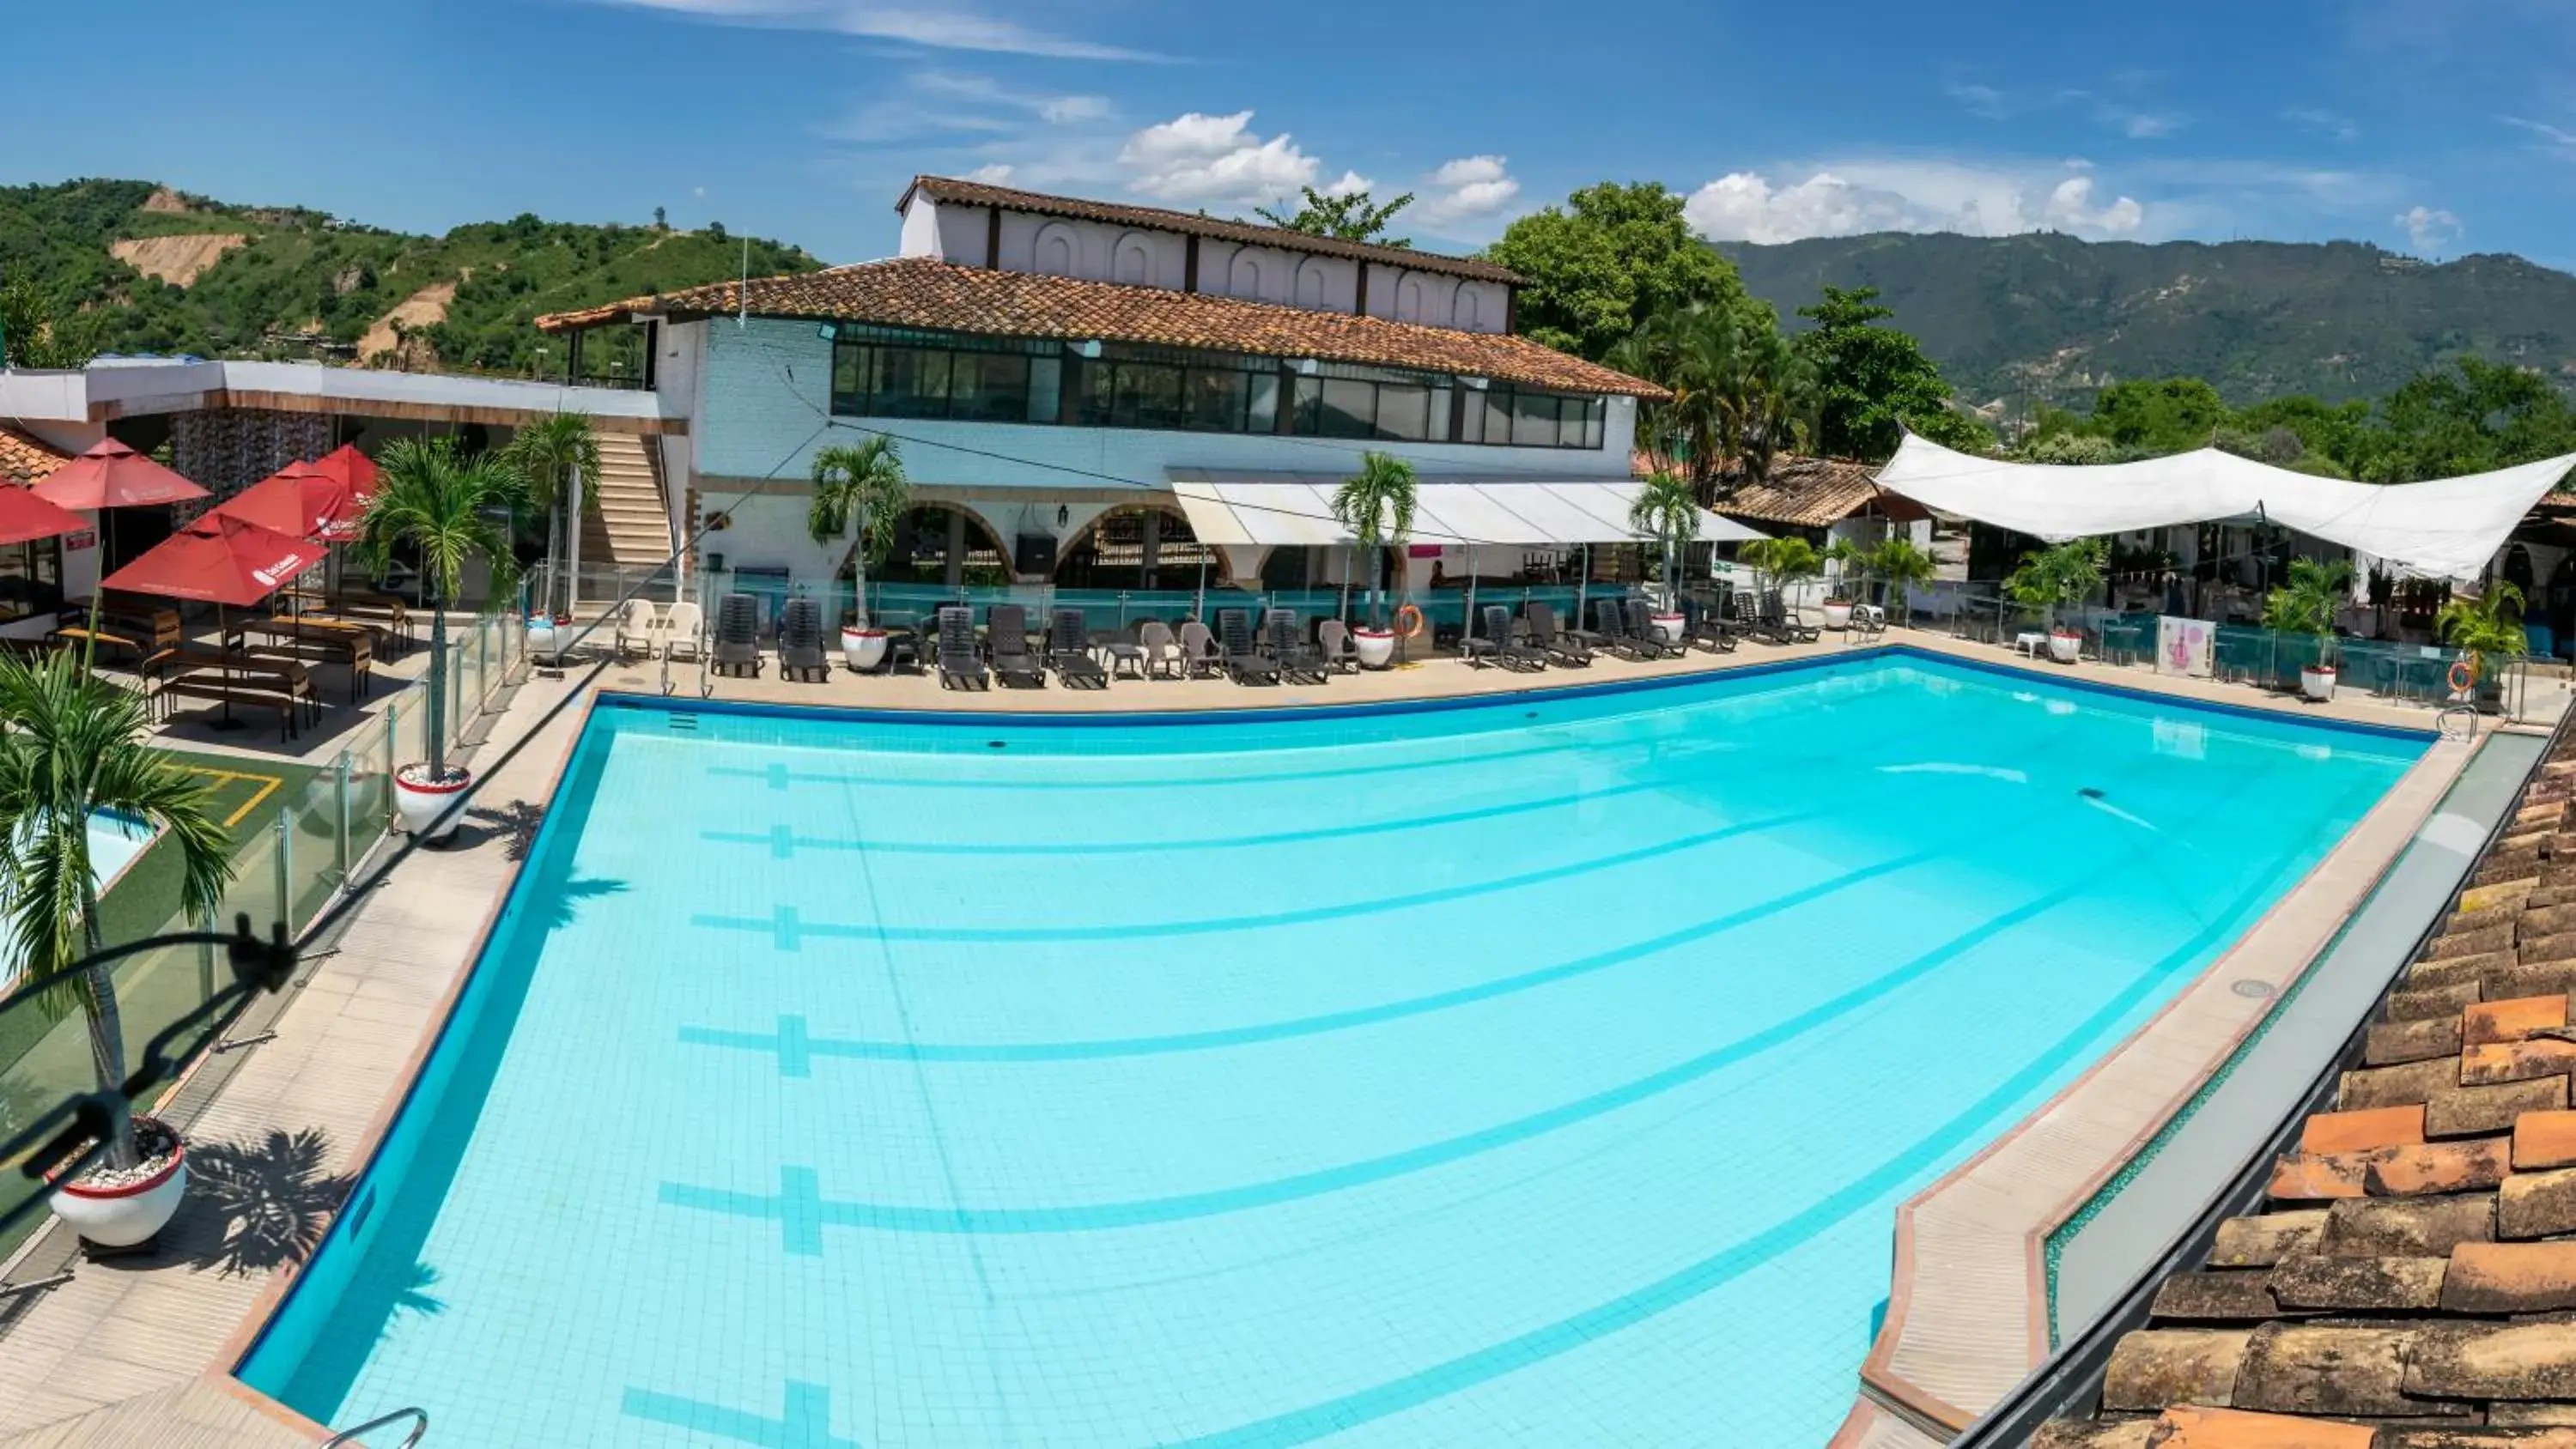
[
  {"x": 2006, "y": 1351},
  {"x": 245, "y": 1338}
]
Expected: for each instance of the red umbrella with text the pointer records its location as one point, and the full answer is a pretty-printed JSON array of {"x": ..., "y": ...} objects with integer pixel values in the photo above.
[
  {"x": 300, "y": 500},
  {"x": 109, "y": 476},
  {"x": 355, "y": 471},
  {"x": 24, "y": 517},
  {"x": 221, "y": 560}
]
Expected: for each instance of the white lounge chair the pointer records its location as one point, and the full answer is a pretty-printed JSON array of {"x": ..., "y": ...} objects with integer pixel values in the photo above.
[
  {"x": 684, "y": 632},
  {"x": 639, "y": 627}
]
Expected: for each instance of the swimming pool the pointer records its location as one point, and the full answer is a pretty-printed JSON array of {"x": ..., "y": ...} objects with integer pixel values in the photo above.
[{"x": 1540, "y": 1071}]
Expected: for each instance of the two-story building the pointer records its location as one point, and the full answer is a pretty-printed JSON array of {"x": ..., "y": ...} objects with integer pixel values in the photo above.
[{"x": 1093, "y": 393}]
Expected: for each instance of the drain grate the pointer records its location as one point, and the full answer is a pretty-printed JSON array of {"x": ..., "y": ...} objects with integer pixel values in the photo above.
[{"x": 2089, "y": 793}]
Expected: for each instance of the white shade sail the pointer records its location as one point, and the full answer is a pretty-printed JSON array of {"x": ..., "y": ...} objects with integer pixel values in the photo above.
[
  {"x": 2445, "y": 529},
  {"x": 1296, "y": 510}
]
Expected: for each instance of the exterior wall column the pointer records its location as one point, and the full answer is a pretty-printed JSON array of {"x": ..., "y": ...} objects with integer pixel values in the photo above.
[
  {"x": 1153, "y": 546},
  {"x": 953, "y": 563}
]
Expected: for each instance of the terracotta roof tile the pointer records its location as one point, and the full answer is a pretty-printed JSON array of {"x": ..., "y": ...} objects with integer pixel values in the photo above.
[
  {"x": 2393, "y": 1310},
  {"x": 1810, "y": 493},
  {"x": 2393, "y": 1043},
  {"x": 934, "y": 295},
  {"x": 1009, "y": 198},
  {"x": 27, "y": 459}
]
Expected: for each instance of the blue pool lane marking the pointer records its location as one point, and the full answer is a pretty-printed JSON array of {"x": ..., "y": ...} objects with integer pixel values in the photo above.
[
  {"x": 807, "y": 1424},
  {"x": 802, "y": 1212}
]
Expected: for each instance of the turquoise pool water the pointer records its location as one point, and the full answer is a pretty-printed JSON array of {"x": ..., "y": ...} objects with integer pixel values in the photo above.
[{"x": 1533, "y": 1073}]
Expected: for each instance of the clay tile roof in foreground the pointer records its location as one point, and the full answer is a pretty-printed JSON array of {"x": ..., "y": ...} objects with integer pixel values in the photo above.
[
  {"x": 927, "y": 293},
  {"x": 1190, "y": 223},
  {"x": 25, "y": 459},
  {"x": 2411, "y": 1283}
]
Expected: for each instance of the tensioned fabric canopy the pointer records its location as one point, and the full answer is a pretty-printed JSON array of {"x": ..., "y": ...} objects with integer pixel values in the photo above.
[
  {"x": 2449, "y": 528},
  {"x": 1296, "y": 510}
]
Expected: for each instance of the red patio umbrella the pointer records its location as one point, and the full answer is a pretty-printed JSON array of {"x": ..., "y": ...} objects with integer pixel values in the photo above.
[
  {"x": 112, "y": 475},
  {"x": 352, "y": 468},
  {"x": 218, "y": 559},
  {"x": 24, "y": 517},
  {"x": 301, "y": 501}
]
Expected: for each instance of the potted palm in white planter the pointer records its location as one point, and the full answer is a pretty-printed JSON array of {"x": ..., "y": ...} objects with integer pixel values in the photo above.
[
  {"x": 859, "y": 484},
  {"x": 1666, "y": 509},
  {"x": 74, "y": 747},
  {"x": 1376, "y": 505},
  {"x": 2305, "y": 603},
  {"x": 1902, "y": 564},
  {"x": 2062, "y": 574},
  {"x": 2489, "y": 634},
  {"x": 449, "y": 510},
  {"x": 1851, "y": 562}
]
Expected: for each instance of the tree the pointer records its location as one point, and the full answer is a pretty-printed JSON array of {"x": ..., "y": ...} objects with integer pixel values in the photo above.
[
  {"x": 859, "y": 483},
  {"x": 2061, "y": 574},
  {"x": 1613, "y": 256},
  {"x": 2307, "y": 600},
  {"x": 1376, "y": 505},
  {"x": 1779, "y": 562},
  {"x": 1666, "y": 509},
  {"x": 75, "y": 746},
  {"x": 1872, "y": 382},
  {"x": 2487, "y": 416},
  {"x": 2487, "y": 629},
  {"x": 2167, "y": 415},
  {"x": 1740, "y": 393},
  {"x": 661, "y": 219},
  {"x": 1353, "y": 217},
  {"x": 449, "y": 510},
  {"x": 1903, "y": 564},
  {"x": 32, "y": 334},
  {"x": 556, "y": 457}
]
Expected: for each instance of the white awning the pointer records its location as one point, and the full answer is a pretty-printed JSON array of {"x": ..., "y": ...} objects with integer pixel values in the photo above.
[
  {"x": 2445, "y": 529},
  {"x": 1296, "y": 510}
]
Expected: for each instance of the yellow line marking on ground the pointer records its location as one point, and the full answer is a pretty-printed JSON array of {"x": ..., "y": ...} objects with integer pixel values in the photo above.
[{"x": 268, "y": 786}]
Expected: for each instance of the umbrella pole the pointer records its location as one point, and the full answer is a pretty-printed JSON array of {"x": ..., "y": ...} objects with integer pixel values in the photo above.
[{"x": 224, "y": 721}]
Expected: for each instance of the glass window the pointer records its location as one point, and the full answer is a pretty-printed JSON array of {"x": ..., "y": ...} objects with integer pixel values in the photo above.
[
  {"x": 911, "y": 382},
  {"x": 1346, "y": 409},
  {"x": 1216, "y": 399},
  {"x": 1403, "y": 412},
  {"x": 1594, "y": 414},
  {"x": 1444, "y": 418},
  {"x": 1095, "y": 385},
  {"x": 1148, "y": 396},
  {"x": 990, "y": 387},
  {"x": 1046, "y": 389},
  {"x": 31, "y": 579},
  {"x": 1263, "y": 414},
  {"x": 1533, "y": 420},
  {"x": 1496, "y": 405},
  {"x": 850, "y": 377},
  {"x": 1471, "y": 417}
]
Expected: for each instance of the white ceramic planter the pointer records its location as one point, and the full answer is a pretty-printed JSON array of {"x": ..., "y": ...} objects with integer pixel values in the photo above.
[
  {"x": 2065, "y": 648},
  {"x": 541, "y": 639},
  {"x": 128, "y": 1216},
  {"x": 1376, "y": 647},
  {"x": 2317, "y": 684},
  {"x": 1668, "y": 627},
  {"x": 863, "y": 649},
  {"x": 1838, "y": 613},
  {"x": 418, "y": 799}
]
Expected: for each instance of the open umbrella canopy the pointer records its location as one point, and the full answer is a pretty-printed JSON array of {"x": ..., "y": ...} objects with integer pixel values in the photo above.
[
  {"x": 25, "y": 517},
  {"x": 352, "y": 468},
  {"x": 218, "y": 559},
  {"x": 112, "y": 475},
  {"x": 299, "y": 500}
]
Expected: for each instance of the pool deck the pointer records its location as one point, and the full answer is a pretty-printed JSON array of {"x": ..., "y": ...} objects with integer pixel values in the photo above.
[{"x": 137, "y": 1352}]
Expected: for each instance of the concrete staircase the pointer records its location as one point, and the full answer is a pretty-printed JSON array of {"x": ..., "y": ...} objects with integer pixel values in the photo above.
[{"x": 627, "y": 526}]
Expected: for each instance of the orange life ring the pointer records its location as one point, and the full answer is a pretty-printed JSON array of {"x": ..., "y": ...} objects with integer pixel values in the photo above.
[
  {"x": 2464, "y": 676},
  {"x": 1408, "y": 622}
]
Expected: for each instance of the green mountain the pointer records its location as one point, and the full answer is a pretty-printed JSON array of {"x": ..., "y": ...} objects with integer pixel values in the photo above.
[
  {"x": 2049, "y": 318},
  {"x": 150, "y": 269}
]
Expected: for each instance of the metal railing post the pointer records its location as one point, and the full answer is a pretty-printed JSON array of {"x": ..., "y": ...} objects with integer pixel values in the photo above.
[
  {"x": 341, "y": 787},
  {"x": 206, "y": 957},
  {"x": 285, "y": 864}
]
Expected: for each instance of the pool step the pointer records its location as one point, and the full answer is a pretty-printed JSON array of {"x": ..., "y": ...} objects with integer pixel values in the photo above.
[{"x": 686, "y": 724}]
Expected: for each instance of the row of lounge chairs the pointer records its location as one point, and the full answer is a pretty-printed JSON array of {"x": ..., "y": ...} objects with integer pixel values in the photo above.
[
  {"x": 1233, "y": 649},
  {"x": 1621, "y": 627}
]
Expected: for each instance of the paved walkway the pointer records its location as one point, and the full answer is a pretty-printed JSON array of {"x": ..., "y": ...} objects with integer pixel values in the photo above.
[{"x": 134, "y": 1352}]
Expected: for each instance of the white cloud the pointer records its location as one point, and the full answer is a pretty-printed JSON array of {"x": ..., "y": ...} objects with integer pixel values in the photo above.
[
  {"x": 1980, "y": 100},
  {"x": 2552, "y": 138},
  {"x": 1351, "y": 183},
  {"x": 1214, "y": 159},
  {"x": 996, "y": 173},
  {"x": 1466, "y": 189},
  {"x": 2333, "y": 125},
  {"x": 2141, "y": 125},
  {"x": 932, "y": 103},
  {"x": 1073, "y": 110},
  {"x": 1850, "y": 197},
  {"x": 945, "y": 29},
  {"x": 2429, "y": 229}
]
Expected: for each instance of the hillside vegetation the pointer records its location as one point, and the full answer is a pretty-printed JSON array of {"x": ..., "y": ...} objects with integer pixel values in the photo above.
[
  {"x": 299, "y": 283},
  {"x": 2054, "y": 319}
]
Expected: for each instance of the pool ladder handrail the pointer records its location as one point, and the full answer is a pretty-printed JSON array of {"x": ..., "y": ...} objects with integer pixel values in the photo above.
[{"x": 419, "y": 1428}]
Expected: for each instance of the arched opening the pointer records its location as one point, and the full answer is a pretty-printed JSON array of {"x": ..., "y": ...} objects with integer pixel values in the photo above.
[
  {"x": 1054, "y": 253},
  {"x": 1134, "y": 263},
  {"x": 1462, "y": 312},
  {"x": 1112, "y": 552},
  {"x": 1408, "y": 300},
  {"x": 1243, "y": 279},
  {"x": 1310, "y": 286}
]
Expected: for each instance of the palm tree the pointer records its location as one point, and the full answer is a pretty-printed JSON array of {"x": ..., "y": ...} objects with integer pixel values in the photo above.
[
  {"x": 449, "y": 509},
  {"x": 1853, "y": 561},
  {"x": 2307, "y": 600},
  {"x": 74, "y": 746},
  {"x": 1376, "y": 505},
  {"x": 861, "y": 483},
  {"x": 553, "y": 457},
  {"x": 1780, "y": 562},
  {"x": 1667, "y": 510},
  {"x": 2485, "y": 629},
  {"x": 1903, "y": 564}
]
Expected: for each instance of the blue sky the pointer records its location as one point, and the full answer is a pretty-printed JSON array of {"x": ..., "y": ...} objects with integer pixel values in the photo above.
[{"x": 2435, "y": 126}]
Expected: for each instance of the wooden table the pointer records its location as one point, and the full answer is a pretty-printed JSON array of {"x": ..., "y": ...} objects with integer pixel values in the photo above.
[
  {"x": 353, "y": 644},
  {"x": 227, "y": 678}
]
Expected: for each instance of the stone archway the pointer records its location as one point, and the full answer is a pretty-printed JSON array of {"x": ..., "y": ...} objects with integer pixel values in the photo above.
[
  {"x": 923, "y": 548},
  {"x": 1110, "y": 552}
]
